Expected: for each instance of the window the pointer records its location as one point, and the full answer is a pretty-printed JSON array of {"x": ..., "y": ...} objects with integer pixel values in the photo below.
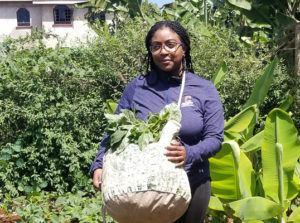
[
  {"x": 100, "y": 16},
  {"x": 23, "y": 17},
  {"x": 62, "y": 14}
]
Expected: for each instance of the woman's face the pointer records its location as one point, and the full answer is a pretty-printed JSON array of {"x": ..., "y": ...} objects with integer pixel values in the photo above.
[{"x": 167, "y": 61}]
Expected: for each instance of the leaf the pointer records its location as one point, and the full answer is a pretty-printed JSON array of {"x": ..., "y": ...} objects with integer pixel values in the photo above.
[
  {"x": 173, "y": 112},
  {"x": 5, "y": 156},
  {"x": 262, "y": 85},
  {"x": 241, "y": 4},
  {"x": 44, "y": 184},
  {"x": 297, "y": 173},
  {"x": 20, "y": 188},
  {"x": 61, "y": 201},
  {"x": 248, "y": 132},
  {"x": 125, "y": 128},
  {"x": 118, "y": 118},
  {"x": 28, "y": 189},
  {"x": 295, "y": 216},
  {"x": 241, "y": 121},
  {"x": 246, "y": 176},
  {"x": 117, "y": 137},
  {"x": 287, "y": 103},
  {"x": 219, "y": 76},
  {"x": 255, "y": 208},
  {"x": 279, "y": 131},
  {"x": 144, "y": 140},
  {"x": 254, "y": 143},
  {"x": 7, "y": 150},
  {"x": 19, "y": 211},
  {"x": 215, "y": 204},
  {"x": 17, "y": 146},
  {"x": 130, "y": 115},
  {"x": 231, "y": 172},
  {"x": 252, "y": 221},
  {"x": 285, "y": 20},
  {"x": 20, "y": 162}
]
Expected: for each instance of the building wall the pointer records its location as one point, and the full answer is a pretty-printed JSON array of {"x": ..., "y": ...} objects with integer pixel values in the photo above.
[
  {"x": 8, "y": 18},
  {"x": 72, "y": 34},
  {"x": 41, "y": 16}
]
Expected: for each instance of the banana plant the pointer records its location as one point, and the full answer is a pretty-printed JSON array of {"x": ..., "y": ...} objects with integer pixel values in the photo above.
[
  {"x": 233, "y": 179},
  {"x": 264, "y": 193},
  {"x": 193, "y": 13},
  {"x": 261, "y": 19},
  {"x": 120, "y": 9}
]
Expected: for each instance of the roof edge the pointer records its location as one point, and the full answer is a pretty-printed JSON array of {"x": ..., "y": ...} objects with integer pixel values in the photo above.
[{"x": 55, "y": 2}]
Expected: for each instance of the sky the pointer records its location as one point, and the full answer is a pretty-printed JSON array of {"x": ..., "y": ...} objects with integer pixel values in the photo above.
[{"x": 160, "y": 3}]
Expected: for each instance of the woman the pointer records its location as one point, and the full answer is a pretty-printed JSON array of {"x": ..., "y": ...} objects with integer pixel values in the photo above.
[{"x": 201, "y": 134}]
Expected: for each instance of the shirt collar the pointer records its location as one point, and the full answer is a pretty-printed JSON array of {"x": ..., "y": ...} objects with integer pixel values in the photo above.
[{"x": 155, "y": 75}]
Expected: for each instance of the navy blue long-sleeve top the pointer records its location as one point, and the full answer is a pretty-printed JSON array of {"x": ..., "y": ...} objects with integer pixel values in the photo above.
[{"x": 202, "y": 121}]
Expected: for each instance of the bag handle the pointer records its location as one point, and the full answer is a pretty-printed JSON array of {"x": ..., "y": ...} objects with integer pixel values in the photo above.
[{"x": 181, "y": 89}]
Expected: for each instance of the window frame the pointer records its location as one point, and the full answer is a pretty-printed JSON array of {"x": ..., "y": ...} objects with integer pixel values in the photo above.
[
  {"x": 67, "y": 17},
  {"x": 23, "y": 14}
]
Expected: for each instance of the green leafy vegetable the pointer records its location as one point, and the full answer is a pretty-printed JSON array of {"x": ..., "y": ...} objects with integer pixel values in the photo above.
[{"x": 125, "y": 128}]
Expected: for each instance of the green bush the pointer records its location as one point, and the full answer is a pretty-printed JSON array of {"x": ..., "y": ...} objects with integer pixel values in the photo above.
[
  {"x": 46, "y": 207},
  {"x": 245, "y": 64},
  {"x": 51, "y": 105},
  {"x": 52, "y": 99}
]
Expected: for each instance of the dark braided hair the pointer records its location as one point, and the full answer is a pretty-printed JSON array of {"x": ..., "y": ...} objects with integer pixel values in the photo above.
[{"x": 181, "y": 32}]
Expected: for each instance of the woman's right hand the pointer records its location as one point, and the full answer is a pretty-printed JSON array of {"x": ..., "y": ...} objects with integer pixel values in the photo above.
[{"x": 97, "y": 179}]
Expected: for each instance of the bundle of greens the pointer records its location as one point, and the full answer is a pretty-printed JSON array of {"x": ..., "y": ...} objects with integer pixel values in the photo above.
[{"x": 125, "y": 128}]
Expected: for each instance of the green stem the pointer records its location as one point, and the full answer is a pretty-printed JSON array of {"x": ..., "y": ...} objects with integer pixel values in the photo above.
[{"x": 205, "y": 11}]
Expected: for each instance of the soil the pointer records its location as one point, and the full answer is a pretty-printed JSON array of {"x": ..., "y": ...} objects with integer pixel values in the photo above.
[{"x": 8, "y": 218}]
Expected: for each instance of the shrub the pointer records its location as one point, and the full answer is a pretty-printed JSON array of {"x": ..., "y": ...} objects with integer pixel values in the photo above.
[{"x": 51, "y": 105}]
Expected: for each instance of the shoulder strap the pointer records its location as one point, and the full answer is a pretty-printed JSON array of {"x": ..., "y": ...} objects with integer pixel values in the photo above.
[{"x": 181, "y": 89}]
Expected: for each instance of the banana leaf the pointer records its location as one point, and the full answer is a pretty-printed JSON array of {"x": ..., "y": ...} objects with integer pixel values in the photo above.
[
  {"x": 241, "y": 121},
  {"x": 241, "y": 4},
  {"x": 231, "y": 172},
  {"x": 219, "y": 76},
  {"x": 295, "y": 216},
  {"x": 254, "y": 208},
  {"x": 287, "y": 103},
  {"x": 254, "y": 143},
  {"x": 248, "y": 132},
  {"x": 279, "y": 132},
  {"x": 297, "y": 175},
  {"x": 252, "y": 221},
  {"x": 215, "y": 204},
  {"x": 262, "y": 85}
]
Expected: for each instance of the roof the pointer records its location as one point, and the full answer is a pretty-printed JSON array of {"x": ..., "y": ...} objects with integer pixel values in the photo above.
[
  {"x": 57, "y": 1},
  {"x": 54, "y": 2}
]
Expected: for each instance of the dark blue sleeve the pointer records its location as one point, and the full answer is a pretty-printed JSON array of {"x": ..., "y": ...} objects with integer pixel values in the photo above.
[
  {"x": 125, "y": 103},
  {"x": 213, "y": 127}
]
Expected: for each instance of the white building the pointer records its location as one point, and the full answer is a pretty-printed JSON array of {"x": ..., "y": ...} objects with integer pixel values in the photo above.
[{"x": 60, "y": 17}]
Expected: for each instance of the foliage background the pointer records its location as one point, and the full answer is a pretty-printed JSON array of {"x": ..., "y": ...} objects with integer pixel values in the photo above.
[{"x": 52, "y": 100}]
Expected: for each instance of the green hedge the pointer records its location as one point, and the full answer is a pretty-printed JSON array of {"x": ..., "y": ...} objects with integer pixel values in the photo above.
[{"x": 52, "y": 99}]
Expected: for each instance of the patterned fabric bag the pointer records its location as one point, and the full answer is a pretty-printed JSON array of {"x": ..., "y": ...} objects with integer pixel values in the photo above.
[{"x": 143, "y": 186}]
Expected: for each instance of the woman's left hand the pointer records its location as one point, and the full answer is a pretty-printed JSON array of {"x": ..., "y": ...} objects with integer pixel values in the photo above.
[{"x": 176, "y": 153}]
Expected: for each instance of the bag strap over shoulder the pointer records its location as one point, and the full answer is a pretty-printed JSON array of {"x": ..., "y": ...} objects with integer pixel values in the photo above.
[{"x": 181, "y": 89}]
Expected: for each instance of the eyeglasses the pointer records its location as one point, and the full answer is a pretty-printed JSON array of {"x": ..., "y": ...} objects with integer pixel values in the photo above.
[{"x": 170, "y": 47}]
